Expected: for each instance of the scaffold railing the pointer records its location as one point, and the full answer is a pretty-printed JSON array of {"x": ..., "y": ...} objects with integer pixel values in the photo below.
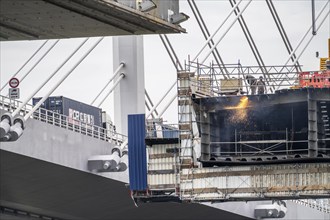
[
  {"x": 156, "y": 128},
  {"x": 63, "y": 121},
  {"x": 209, "y": 80}
]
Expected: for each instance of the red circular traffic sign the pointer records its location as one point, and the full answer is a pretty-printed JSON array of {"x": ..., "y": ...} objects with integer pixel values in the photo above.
[{"x": 13, "y": 82}]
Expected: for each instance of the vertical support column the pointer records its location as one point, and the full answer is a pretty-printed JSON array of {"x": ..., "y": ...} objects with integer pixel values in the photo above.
[
  {"x": 312, "y": 125},
  {"x": 205, "y": 135},
  {"x": 129, "y": 94}
]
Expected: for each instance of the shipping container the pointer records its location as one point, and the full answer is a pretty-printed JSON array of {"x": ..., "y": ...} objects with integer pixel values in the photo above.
[
  {"x": 137, "y": 155},
  {"x": 76, "y": 111}
]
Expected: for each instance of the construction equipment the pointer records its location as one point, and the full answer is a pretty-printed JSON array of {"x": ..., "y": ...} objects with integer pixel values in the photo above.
[
  {"x": 317, "y": 79},
  {"x": 314, "y": 79},
  {"x": 325, "y": 61}
]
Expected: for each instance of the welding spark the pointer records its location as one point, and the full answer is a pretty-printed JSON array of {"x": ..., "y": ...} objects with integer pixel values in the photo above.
[
  {"x": 243, "y": 103},
  {"x": 240, "y": 113}
]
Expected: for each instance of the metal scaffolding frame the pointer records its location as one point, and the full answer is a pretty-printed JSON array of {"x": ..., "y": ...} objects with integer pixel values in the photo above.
[{"x": 213, "y": 73}]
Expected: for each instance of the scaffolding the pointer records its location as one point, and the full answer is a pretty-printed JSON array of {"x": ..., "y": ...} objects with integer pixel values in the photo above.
[
  {"x": 177, "y": 173},
  {"x": 210, "y": 82}
]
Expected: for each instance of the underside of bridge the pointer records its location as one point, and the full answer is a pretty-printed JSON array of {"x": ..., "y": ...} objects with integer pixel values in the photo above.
[
  {"x": 32, "y": 187},
  {"x": 54, "y": 19}
]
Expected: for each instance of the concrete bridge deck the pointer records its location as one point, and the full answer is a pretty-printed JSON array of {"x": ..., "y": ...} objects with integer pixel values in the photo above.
[{"x": 57, "y": 19}]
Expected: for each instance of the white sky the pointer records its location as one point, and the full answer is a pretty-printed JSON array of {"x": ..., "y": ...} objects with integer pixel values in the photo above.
[{"x": 87, "y": 80}]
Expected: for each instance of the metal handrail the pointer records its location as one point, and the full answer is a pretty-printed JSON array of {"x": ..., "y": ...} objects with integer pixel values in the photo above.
[
  {"x": 322, "y": 205},
  {"x": 161, "y": 130},
  {"x": 63, "y": 121}
]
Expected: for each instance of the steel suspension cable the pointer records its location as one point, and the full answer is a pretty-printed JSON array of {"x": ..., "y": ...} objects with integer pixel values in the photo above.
[
  {"x": 28, "y": 115},
  {"x": 282, "y": 31},
  {"x": 41, "y": 58},
  {"x": 122, "y": 75},
  {"x": 211, "y": 37},
  {"x": 15, "y": 74},
  {"x": 155, "y": 106},
  {"x": 150, "y": 101},
  {"x": 206, "y": 35},
  {"x": 302, "y": 39},
  {"x": 224, "y": 34},
  {"x": 46, "y": 80},
  {"x": 173, "y": 51},
  {"x": 168, "y": 52},
  {"x": 307, "y": 44},
  {"x": 110, "y": 80},
  {"x": 252, "y": 44}
]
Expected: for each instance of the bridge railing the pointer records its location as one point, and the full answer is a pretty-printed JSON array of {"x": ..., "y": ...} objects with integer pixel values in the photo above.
[
  {"x": 63, "y": 121},
  {"x": 322, "y": 205}
]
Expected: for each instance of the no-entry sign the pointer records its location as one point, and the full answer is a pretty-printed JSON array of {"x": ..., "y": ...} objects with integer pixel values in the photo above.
[{"x": 13, "y": 82}]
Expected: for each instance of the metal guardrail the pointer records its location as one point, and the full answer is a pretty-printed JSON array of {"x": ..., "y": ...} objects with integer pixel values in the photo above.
[
  {"x": 322, "y": 205},
  {"x": 63, "y": 121},
  {"x": 157, "y": 129}
]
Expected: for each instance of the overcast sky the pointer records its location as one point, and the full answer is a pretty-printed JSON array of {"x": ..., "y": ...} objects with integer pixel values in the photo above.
[{"x": 85, "y": 82}]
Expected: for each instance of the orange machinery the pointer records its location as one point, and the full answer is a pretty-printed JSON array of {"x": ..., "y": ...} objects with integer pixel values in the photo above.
[{"x": 319, "y": 79}]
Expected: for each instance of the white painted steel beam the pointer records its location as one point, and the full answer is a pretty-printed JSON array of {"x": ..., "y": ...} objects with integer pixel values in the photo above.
[
  {"x": 226, "y": 31},
  {"x": 163, "y": 97},
  {"x": 26, "y": 62},
  {"x": 216, "y": 31},
  {"x": 300, "y": 42},
  {"x": 28, "y": 115},
  {"x": 122, "y": 64},
  {"x": 111, "y": 89},
  {"x": 21, "y": 106}
]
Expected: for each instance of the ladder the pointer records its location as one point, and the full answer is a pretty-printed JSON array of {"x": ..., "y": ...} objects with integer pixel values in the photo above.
[
  {"x": 185, "y": 126},
  {"x": 185, "y": 118}
]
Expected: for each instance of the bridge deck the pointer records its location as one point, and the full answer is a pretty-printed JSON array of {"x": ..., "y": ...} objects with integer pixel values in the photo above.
[
  {"x": 54, "y": 19},
  {"x": 44, "y": 188}
]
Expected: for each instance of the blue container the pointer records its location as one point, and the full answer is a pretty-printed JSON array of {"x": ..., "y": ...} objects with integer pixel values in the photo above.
[
  {"x": 170, "y": 132},
  {"x": 76, "y": 111},
  {"x": 137, "y": 156}
]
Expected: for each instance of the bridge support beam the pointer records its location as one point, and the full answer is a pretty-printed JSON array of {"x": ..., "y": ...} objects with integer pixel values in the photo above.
[
  {"x": 129, "y": 95},
  {"x": 312, "y": 125}
]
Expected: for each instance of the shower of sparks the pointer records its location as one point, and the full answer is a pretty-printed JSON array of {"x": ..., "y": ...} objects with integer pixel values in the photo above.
[
  {"x": 243, "y": 103},
  {"x": 240, "y": 113}
]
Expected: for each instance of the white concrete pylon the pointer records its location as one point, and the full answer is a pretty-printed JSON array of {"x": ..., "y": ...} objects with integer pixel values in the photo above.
[{"x": 129, "y": 97}]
